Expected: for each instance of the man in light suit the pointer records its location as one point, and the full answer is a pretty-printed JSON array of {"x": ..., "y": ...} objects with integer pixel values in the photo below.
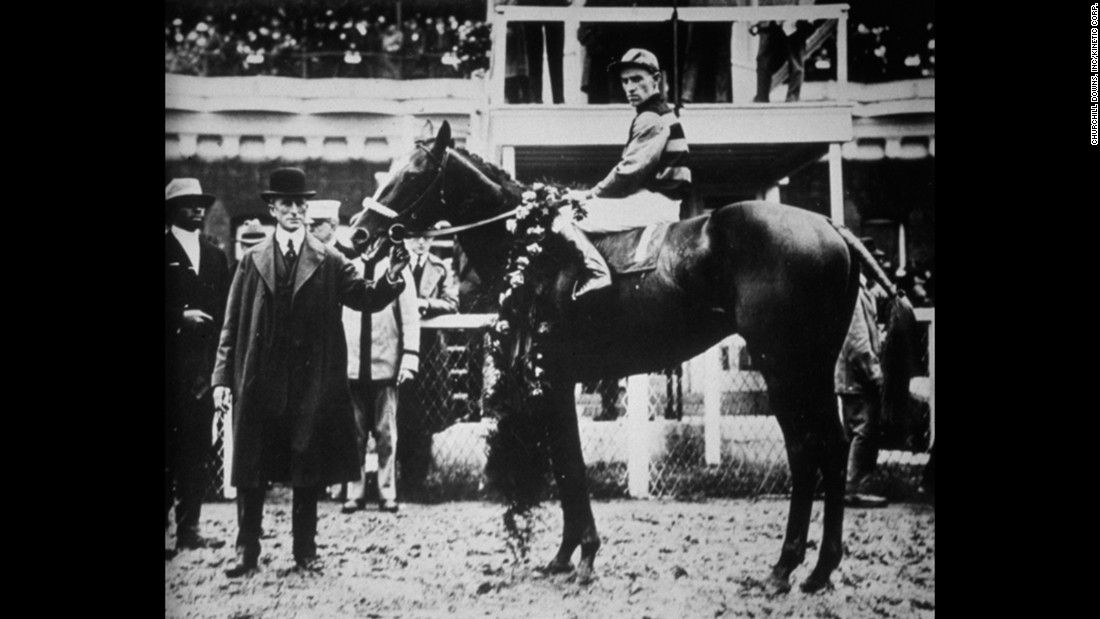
[
  {"x": 394, "y": 341},
  {"x": 196, "y": 285}
]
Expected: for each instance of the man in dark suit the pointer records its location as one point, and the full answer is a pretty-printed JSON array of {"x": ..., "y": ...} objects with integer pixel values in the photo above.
[
  {"x": 282, "y": 369},
  {"x": 196, "y": 285}
]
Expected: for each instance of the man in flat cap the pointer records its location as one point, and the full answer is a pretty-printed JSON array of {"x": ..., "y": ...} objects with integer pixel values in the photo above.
[
  {"x": 196, "y": 284},
  {"x": 650, "y": 180},
  {"x": 282, "y": 369}
]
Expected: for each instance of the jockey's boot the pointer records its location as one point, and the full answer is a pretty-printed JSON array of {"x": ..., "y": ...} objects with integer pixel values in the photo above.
[{"x": 597, "y": 273}]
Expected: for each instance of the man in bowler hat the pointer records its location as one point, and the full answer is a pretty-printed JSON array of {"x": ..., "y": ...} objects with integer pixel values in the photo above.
[
  {"x": 281, "y": 367},
  {"x": 196, "y": 279}
]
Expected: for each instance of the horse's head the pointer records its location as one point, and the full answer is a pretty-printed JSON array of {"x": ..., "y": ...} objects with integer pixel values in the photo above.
[
  {"x": 433, "y": 183},
  {"x": 412, "y": 197}
]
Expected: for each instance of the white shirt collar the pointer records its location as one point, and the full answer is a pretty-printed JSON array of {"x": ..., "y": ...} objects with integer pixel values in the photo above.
[
  {"x": 189, "y": 241},
  {"x": 297, "y": 237},
  {"x": 185, "y": 236}
]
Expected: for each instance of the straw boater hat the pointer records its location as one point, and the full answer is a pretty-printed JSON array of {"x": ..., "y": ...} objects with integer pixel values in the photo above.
[
  {"x": 638, "y": 58},
  {"x": 322, "y": 209},
  {"x": 287, "y": 183},
  {"x": 186, "y": 192},
  {"x": 250, "y": 233}
]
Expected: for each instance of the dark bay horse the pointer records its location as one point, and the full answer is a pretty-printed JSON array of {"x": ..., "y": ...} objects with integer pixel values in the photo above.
[{"x": 783, "y": 278}]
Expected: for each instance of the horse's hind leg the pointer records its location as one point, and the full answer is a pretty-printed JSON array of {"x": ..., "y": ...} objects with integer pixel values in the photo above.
[
  {"x": 834, "y": 459},
  {"x": 801, "y": 461},
  {"x": 569, "y": 471}
]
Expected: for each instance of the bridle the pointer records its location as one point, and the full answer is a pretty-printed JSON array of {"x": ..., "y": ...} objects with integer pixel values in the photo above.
[{"x": 399, "y": 231}]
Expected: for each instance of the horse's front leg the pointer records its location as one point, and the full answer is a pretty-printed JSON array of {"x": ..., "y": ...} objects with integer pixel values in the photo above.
[{"x": 569, "y": 470}]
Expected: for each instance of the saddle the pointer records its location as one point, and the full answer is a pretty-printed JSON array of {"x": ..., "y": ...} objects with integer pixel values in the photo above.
[{"x": 634, "y": 250}]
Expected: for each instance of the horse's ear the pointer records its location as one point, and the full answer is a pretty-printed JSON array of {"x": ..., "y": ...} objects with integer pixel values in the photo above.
[
  {"x": 443, "y": 140},
  {"x": 426, "y": 132}
]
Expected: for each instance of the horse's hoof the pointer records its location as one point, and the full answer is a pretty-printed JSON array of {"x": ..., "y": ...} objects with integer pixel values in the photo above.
[
  {"x": 558, "y": 567},
  {"x": 586, "y": 574},
  {"x": 815, "y": 583},
  {"x": 775, "y": 585}
]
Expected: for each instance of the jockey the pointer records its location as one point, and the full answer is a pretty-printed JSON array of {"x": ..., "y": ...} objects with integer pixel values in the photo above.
[{"x": 647, "y": 184}]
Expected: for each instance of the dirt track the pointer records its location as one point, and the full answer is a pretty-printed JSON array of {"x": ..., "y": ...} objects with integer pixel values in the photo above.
[{"x": 659, "y": 559}]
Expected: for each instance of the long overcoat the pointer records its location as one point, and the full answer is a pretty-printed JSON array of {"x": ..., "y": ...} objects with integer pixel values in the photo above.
[{"x": 322, "y": 448}]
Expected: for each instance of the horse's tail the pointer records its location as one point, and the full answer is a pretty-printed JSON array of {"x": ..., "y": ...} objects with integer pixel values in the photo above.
[{"x": 899, "y": 349}]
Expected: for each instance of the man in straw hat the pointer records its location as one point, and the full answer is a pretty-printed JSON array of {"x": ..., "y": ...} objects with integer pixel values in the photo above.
[
  {"x": 651, "y": 178},
  {"x": 196, "y": 286},
  {"x": 281, "y": 368}
]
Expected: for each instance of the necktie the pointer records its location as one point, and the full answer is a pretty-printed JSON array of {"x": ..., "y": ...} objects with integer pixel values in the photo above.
[
  {"x": 290, "y": 254},
  {"x": 417, "y": 272}
]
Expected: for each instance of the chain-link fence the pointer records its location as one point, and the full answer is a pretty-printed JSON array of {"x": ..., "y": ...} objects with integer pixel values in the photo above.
[{"x": 705, "y": 429}]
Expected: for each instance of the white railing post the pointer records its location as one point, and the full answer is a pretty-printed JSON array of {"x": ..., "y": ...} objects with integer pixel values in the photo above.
[
  {"x": 932, "y": 382},
  {"x": 712, "y": 406},
  {"x": 637, "y": 435}
]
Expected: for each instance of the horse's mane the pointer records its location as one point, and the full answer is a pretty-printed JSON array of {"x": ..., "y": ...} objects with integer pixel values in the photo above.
[{"x": 495, "y": 173}]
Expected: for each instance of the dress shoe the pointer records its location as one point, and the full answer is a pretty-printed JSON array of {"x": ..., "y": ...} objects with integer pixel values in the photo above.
[
  {"x": 388, "y": 505},
  {"x": 245, "y": 563},
  {"x": 309, "y": 563},
  {"x": 196, "y": 542},
  {"x": 352, "y": 506}
]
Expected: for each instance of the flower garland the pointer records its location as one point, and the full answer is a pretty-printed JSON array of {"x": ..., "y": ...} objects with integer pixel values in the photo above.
[
  {"x": 518, "y": 464},
  {"x": 526, "y": 318}
]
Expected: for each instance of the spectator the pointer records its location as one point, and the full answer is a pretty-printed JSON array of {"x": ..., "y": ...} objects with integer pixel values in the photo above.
[
  {"x": 437, "y": 293},
  {"x": 858, "y": 382},
  {"x": 286, "y": 364},
  {"x": 196, "y": 287},
  {"x": 394, "y": 349},
  {"x": 323, "y": 217},
  {"x": 780, "y": 42}
]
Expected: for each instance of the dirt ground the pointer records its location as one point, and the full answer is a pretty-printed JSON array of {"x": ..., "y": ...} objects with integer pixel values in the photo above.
[{"x": 659, "y": 559}]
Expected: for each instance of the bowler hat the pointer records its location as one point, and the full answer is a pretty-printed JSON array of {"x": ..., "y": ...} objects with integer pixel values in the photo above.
[
  {"x": 186, "y": 192},
  {"x": 288, "y": 183},
  {"x": 636, "y": 57}
]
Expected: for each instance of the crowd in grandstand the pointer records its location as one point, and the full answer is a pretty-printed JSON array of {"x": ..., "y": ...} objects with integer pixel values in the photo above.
[
  {"x": 345, "y": 39},
  {"x": 310, "y": 40}
]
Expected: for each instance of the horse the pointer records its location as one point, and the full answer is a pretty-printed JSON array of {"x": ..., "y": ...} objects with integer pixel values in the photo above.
[{"x": 782, "y": 277}]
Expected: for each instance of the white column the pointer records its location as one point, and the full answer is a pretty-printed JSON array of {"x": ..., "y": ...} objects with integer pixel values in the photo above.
[
  {"x": 842, "y": 56},
  {"x": 508, "y": 159},
  {"x": 189, "y": 144},
  {"x": 637, "y": 435},
  {"x": 231, "y": 146},
  {"x": 712, "y": 405},
  {"x": 836, "y": 184}
]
